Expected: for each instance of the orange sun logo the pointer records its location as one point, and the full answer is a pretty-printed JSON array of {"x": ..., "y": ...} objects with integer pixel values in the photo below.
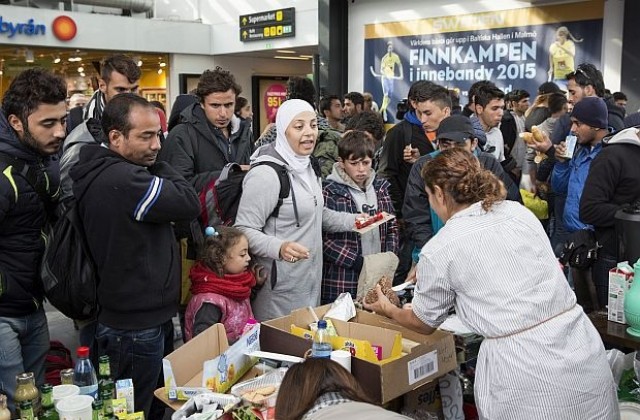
[{"x": 64, "y": 28}]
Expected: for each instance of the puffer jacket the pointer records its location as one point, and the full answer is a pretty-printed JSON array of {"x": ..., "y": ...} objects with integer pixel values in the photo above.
[{"x": 22, "y": 218}]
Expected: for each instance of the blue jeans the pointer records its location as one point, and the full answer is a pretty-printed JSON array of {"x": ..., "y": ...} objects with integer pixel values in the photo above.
[
  {"x": 24, "y": 343},
  {"x": 135, "y": 354}
]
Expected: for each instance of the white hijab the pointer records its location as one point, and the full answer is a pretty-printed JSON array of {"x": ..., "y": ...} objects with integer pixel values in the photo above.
[{"x": 286, "y": 113}]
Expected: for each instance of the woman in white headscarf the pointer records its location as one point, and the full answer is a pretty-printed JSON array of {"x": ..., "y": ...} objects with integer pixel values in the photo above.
[{"x": 289, "y": 246}]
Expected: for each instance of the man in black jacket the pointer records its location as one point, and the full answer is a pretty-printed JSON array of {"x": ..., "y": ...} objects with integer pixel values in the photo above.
[
  {"x": 210, "y": 134},
  {"x": 32, "y": 128},
  {"x": 421, "y": 222},
  {"x": 611, "y": 185},
  {"x": 127, "y": 202}
]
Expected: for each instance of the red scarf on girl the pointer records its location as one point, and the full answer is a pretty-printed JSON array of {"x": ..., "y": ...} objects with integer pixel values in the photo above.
[{"x": 233, "y": 286}]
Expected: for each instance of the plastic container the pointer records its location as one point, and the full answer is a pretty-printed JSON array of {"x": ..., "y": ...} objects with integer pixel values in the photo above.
[
  {"x": 64, "y": 391},
  {"x": 76, "y": 407},
  {"x": 84, "y": 374},
  {"x": 191, "y": 407},
  {"x": 273, "y": 378},
  {"x": 321, "y": 346}
]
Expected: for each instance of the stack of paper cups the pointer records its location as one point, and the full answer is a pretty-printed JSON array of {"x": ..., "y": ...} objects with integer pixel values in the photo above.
[{"x": 343, "y": 358}]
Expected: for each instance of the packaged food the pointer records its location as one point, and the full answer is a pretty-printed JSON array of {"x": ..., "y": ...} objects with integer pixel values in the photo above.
[{"x": 261, "y": 391}]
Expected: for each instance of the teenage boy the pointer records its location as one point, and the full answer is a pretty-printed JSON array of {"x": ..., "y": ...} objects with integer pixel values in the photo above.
[{"x": 353, "y": 187}]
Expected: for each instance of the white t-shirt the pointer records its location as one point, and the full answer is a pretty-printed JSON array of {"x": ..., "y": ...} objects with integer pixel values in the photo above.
[{"x": 494, "y": 138}]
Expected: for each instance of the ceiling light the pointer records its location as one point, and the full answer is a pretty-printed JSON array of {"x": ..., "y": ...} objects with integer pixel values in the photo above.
[
  {"x": 82, "y": 74},
  {"x": 162, "y": 64},
  {"x": 282, "y": 57},
  {"x": 139, "y": 63},
  {"x": 306, "y": 56},
  {"x": 159, "y": 71},
  {"x": 286, "y": 51},
  {"x": 28, "y": 56},
  {"x": 56, "y": 60},
  {"x": 80, "y": 69}
]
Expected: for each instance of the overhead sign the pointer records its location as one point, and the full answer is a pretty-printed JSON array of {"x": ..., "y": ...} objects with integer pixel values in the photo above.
[
  {"x": 28, "y": 28},
  {"x": 280, "y": 23}
]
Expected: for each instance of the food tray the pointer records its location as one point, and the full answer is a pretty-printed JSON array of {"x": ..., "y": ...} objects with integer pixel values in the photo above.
[
  {"x": 189, "y": 408},
  {"x": 273, "y": 378}
]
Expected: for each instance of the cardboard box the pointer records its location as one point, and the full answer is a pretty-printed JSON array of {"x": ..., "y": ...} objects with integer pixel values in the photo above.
[
  {"x": 434, "y": 355},
  {"x": 183, "y": 369},
  {"x": 424, "y": 401},
  {"x": 620, "y": 279}
]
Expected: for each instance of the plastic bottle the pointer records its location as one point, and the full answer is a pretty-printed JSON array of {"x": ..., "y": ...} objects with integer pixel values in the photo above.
[
  {"x": 321, "y": 346},
  {"x": 84, "y": 375},
  {"x": 250, "y": 324}
]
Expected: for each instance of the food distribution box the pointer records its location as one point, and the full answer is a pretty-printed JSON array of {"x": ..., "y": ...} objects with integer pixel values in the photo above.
[
  {"x": 620, "y": 279},
  {"x": 426, "y": 358},
  {"x": 207, "y": 362}
]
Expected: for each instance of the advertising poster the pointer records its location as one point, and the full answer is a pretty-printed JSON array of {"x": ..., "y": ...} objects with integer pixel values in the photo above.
[
  {"x": 271, "y": 92},
  {"x": 515, "y": 49}
]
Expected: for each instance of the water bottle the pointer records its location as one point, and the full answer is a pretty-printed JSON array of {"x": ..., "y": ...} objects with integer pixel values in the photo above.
[
  {"x": 321, "y": 346},
  {"x": 84, "y": 375}
]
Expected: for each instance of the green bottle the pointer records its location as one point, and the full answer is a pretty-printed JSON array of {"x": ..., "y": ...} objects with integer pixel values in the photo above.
[
  {"x": 48, "y": 410},
  {"x": 108, "y": 405},
  {"x": 26, "y": 411},
  {"x": 105, "y": 381},
  {"x": 97, "y": 410}
]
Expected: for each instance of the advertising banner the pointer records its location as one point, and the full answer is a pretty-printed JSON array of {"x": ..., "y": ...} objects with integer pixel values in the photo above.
[{"x": 515, "y": 49}]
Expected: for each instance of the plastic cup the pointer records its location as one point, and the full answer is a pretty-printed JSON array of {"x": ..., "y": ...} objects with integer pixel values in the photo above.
[
  {"x": 343, "y": 358},
  {"x": 64, "y": 391},
  {"x": 75, "y": 407}
]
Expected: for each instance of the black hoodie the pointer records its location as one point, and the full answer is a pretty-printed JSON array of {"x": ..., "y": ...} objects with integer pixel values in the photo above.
[{"x": 127, "y": 211}]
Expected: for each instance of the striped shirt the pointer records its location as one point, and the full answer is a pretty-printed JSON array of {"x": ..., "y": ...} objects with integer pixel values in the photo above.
[{"x": 498, "y": 269}]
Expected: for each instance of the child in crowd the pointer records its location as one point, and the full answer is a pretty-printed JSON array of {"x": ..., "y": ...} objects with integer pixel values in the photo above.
[
  {"x": 221, "y": 284},
  {"x": 354, "y": 187}
]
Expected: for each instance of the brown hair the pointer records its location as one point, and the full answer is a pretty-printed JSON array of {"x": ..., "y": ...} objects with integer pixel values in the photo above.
[
  {"x": 458, "y": 174},
  {"x": 355, "y": 145},
  {"x": 215, "y": 247},
  {"x": 305, "y": 382},
  {"x": 122, "y": 64}
]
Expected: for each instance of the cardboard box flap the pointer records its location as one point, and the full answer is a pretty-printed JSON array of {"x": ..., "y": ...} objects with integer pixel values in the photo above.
[{"x": 204, "y": 346}]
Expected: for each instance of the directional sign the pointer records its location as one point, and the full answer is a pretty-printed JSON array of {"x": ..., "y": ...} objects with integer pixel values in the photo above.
[{"x": 280, "y": 23}]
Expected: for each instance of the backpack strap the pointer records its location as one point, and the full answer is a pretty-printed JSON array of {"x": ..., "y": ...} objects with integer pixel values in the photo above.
[{"x": 285, "y": 187}]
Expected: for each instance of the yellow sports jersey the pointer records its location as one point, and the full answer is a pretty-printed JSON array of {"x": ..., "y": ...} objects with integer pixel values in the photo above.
[
  {"x": 388, "y": 64},
  {"x": 562, "y": 59}
]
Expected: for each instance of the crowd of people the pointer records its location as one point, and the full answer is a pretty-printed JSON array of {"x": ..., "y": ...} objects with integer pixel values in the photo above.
[{"x": 452, "y": 176}]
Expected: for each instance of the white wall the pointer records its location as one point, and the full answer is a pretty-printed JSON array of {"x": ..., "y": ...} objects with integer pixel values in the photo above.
[{"x": 362, "y": 12}]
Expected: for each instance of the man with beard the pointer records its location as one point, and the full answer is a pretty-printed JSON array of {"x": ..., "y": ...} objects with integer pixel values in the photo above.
[
  {"x": 127, "y": 203},
  {"x": 32, "y": 128}
]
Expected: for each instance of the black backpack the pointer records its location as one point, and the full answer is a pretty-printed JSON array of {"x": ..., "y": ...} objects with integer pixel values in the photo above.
[
  {"x": 68, "y": 272},
  {"x": 220, "y": 198}
]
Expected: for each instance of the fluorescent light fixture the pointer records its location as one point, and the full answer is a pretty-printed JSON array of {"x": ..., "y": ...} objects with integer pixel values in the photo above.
[
  {"x": 28, "y": 56},
  {"x": 282, "y": 57},
  {"x": 306, "y": 56},
  {"x": 286, "y": 51}
]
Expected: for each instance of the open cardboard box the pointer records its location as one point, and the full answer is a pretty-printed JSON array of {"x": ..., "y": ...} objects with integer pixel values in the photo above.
[
  {"x": 183, "y": 368},
  {"x": 434, "y": 355}
]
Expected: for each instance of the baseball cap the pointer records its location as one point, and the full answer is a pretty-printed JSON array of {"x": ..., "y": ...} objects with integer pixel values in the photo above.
[
  {"x": 549, "y": 87},
  {"x": 457, "y": 128}
]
